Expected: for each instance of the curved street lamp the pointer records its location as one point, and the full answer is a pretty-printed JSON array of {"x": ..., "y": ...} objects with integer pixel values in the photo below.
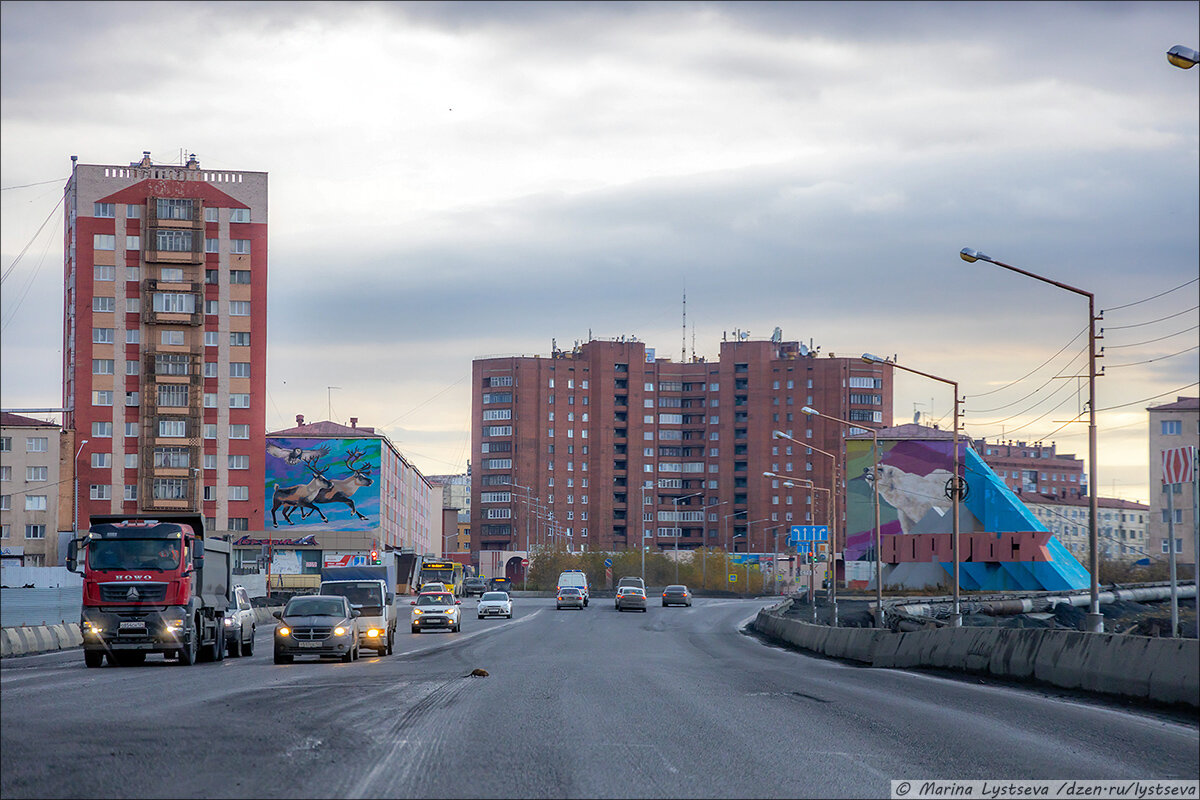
[
  {"x": 679, "y": 527},
  {"x": 1095, "y": 620},
  {"x": 956, "y": 489},
  {"x": 1183, "y": 57}
]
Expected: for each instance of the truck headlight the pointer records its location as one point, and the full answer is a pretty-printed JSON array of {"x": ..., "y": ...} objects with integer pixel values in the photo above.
[
  {"x": 174, "y": 625},
  {"x": 90, "y": 628},
  {"x": 373, "y": 633},
  {"x": 339, "y": 631}
]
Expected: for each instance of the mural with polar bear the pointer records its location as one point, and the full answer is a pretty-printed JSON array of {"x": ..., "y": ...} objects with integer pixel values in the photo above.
[{"x": 915, "y": 465}]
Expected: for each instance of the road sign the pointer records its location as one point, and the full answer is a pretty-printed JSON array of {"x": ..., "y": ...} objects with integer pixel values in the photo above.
[
  {"x": 608, "y": 562},
  {"x": 804, "y": 572},
  {"x": 732, "y": 578},
  {"x": 524, "y": 562},
  {"x": 807, "y": 533},
  {"x": 1177, "y": 464}
]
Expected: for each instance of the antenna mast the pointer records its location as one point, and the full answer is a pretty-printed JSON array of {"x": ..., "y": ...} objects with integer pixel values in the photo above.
[{"x": 683, "y": 350}]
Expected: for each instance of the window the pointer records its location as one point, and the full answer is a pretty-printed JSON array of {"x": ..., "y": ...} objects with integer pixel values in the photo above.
[
  {"x": 239, "y": 338},
  {"x": 239, "y": 246},
  {"x": 101, "y": 491},
  {"x": 210, "y": 214},
  {"x": 210, "y": 431},
  {"x": 172, "y": 457},
  {"x": 172, "y": 337},
  {"x": 133, "y": 305},
  {"x": 133, "y": 212},
  {"x": 497, "y": 413},
  {"x": 133, "y": 336},
  {"x": 239, "y": 215},
  {"x": 1172, "y": 427},
  {"x": 37, "y": 474},
  {"x": 102, "y": 430},
  {"x": 170, "y": 488},
  {"x": 5, "y": 505},
  {"x": 133, "y": 274},
  {"x": 210, "y": 369},
  {"x": 103, "y": 273},
  {"x": 104, "y": 241},
  {"x": 171, "y": 364},
  {"x": 235, "y": 462},
  {"x": 497, "y": 430},
  {"x": 102, "y": 335},
  {"x": 239, "y": 401},
  {"x": 239, "y": 276},
  {"x": 173, "y": 241},
  {"x": 6, "y": 444},
  {"x": 171, "y": 274},
  {"x": 104, "y": 304},
  {"x": 173, "y": 395},
  {"x": 130, "y": 491},
  {"x": 239, "y": 492},
  {"x": 104, "y": 209},
  {"x": 210, "y": 399},
  {"x": 133, "y": 367},
  {"x": 172, "y": 428},
  {"x": 239, "y": 431},
  {"x": 131, "y": 461},
  {"x": 35, "y": 531},
  {"x": 174, "y": 303},
  {"x": 176, "y": 208},
  {"x": 133, "y": 242},
  {"x": 5, "y": 473},
  {"x": 239, "y": 308},
  {"x": 131, "y": 430},
  {"x": 210, "y": 461},
  {"x": 211, "y": 245},
  {"x": 210, "y": 338},
  {"x": 102, "y": 460},
  {"x": 239, "y": 369},
  {"x": 239, "y": 523}
]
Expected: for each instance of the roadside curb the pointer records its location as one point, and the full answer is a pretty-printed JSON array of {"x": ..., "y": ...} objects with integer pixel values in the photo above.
[{"x": 1139, "y": 667}]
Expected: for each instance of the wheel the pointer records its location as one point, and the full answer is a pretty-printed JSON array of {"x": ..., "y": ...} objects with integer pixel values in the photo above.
[
  {"x": 248, "y": 647},
  {"x": 391, "y": 643},
  {"x": 664, "y": 605},
  {"x": 235, "y": 646},
  {"x": 644, "y": 610},
  {"x": 282, "y": 658},
  {"x": 480, "y": 616},
  {"x": 346, "y": 659},
  {"x": 509, "y": 615},
  {"x": 416, "y": 629},
  {"x": 93, "y": 658},
  {"x": 557, "y": 607},
  {"x": 218, "y": 646},
  {"x": 457, "y": 628},
  {"x": 189, "y": 652}
]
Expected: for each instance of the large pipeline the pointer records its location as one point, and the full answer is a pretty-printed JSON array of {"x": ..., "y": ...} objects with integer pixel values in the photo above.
[{"x": 997, "y": 608}]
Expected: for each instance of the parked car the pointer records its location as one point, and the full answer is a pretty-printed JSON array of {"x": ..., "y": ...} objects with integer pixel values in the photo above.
[
  {"x": 631, "y": 580},
  {"x": 630, "y": 597},
  {"x": 240, "y": 624},
  {"x": 570, "y": 597},
  {"x": 436, "y": 610},
  {"x": 676, "y": 594},
  {"x": 576, "y": 578},
  {"x": 495, "y": 604},
  {"x": 474, "y": 586},
  {"x": 316, "y": 625}
]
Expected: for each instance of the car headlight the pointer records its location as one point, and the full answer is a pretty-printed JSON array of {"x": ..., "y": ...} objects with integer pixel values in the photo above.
[
  {"x": 283, "y": 631},
  {"x": 373, "y": 633},
  {"x": 417, "y": 612},
  {"x": 228, "y": 622},
  {"x": 339, "y": 631}
]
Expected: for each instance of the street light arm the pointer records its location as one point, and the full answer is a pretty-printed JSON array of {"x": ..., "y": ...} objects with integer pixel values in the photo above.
[{"x": 969, "y": 255}]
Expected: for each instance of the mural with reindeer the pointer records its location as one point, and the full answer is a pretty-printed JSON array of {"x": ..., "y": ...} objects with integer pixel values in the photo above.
[{"x": 323, "y": 484}]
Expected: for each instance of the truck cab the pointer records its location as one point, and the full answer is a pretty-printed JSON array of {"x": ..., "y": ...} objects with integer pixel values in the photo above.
[
  {"x": 151, "y": 584},
  {"x": 371, "y": 592}
]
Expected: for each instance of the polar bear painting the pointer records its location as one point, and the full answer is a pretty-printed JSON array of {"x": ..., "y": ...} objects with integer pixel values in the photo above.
[{"x": 911, "y": 494}]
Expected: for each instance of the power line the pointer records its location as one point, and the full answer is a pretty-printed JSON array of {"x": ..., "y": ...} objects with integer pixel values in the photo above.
[
  {"x": 1035, "y": 369},
  {"x": 1151, "y": 322},
  {"x": 1152, "y": 360},
  {"x": 1064, "y": 385},
  {"x": 1035, "y": 391},
  {"x": 1148, "y": 299},
  {"x": 1155, "y": 397},
  {"x": 1151, "y": 341},
  {"x": 27, "y": 185}
]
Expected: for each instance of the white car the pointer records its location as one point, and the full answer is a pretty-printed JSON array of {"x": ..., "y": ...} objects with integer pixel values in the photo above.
[
  {"x": 436, "y": 610},
  {"x": 495, "y": 604}
]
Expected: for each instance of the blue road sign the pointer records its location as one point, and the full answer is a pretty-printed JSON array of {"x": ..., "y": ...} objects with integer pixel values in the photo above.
[
  {"x": 808, "y": 533},
  {"x": 608, "y": 562}
]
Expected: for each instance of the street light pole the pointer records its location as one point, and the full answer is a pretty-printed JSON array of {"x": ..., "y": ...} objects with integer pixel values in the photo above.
[
  {"x": 875, "y": 487},
  {"x": 679, "y": 528},
  {"x": 726, "y": 542},
  {"x": 955, "y": 484},
  {"x": 1095, "y": 620},
  {"x": 704, "y": 549},
  {"x": 75, "y": 476}
]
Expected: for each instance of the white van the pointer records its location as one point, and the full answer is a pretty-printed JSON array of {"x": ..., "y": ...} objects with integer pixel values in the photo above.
[{"x": 576, "y": 578}]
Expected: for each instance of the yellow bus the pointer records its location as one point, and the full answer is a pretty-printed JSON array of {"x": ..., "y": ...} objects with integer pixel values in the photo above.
[{"x": 448, "y": 573}]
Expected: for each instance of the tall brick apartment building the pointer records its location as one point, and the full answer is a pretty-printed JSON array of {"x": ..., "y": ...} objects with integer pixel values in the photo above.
[
  {"x": 604, "y": 438},
  {"x": 164, "y": 340}
]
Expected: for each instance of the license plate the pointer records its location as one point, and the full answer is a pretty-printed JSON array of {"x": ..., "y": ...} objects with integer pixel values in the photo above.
[
  {"x": 137, "y": 626},
  {"x": 309, "y": 644}
]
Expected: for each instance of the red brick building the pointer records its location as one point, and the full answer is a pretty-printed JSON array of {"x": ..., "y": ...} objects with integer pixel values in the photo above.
[
  {"x": 605, "y": 442},
  {"x": 164, "y": 340},
  {"x": 1034, "y": 469}
]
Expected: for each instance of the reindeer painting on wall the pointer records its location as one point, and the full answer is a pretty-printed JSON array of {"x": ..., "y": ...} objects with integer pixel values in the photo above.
[{"x": 349, "y": 500}]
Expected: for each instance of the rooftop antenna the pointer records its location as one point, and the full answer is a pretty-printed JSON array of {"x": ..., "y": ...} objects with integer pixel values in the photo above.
[
  {"x": 693, "y": 340},
  {"x": 329, "y": 400},
  {"x": 683, "y": 350}
]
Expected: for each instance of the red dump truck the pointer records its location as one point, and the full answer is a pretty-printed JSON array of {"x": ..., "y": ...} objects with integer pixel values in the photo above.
[{"x": 151, "y": 584}]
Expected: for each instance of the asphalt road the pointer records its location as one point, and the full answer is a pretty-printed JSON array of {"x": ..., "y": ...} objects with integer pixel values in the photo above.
[{"x": 673, "y": 702}]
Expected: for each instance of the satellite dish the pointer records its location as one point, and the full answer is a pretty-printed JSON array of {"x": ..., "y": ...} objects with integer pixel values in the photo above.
[{"x": 803, "y": 349}]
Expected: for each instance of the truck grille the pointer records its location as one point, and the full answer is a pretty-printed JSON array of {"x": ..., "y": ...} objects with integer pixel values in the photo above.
[
  {"x": 143, "y": 592},
  {"x": 311, "y": 634}
]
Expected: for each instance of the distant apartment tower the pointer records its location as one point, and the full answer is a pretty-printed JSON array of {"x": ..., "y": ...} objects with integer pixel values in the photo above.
[
  {"x": 35, "y": 490},
  {"x": 603, "y": 444},
  {"x": 1034, "y": 468},
  {"x": 164, "y": 341},
  {"x": 1173, "y": 425}
]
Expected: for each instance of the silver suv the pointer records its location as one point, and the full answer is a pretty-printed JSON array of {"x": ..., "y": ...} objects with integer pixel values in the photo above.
[
  {"x": 632, "y": 581},
  {"x": 240, "y": 623}
]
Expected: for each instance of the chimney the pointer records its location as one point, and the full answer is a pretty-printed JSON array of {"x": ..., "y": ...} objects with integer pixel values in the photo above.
[
  {"x": 193, "y": 163},
  {"x": 299, "y": 419},
  {"x": 354, "y": 422}
]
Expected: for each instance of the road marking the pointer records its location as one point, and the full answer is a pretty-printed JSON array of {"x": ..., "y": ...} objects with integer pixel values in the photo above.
[{"x": 462, "y": 637}]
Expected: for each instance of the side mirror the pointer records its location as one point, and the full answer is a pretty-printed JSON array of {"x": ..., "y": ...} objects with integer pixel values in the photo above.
[
  {"x": 458, "y": 602},
  {"x": 356, "y": 613},
  {"x": 277, "y": 614},
  {"x": 73, "y": 555},
  {"x": 412, "y": 602},
  {"x": 198, "y": 553}
]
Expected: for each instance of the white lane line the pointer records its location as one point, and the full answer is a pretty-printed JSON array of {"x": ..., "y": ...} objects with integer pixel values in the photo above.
[{"x": 462, "y": 637}]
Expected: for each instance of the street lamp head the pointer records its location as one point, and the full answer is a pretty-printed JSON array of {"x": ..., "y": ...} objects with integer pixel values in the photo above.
[
  {"x": 1183, "y": 57},
  {"x": 778, "y": 435},
  {"x": 972, "y": 255},
  {"x": 812, "y": 412},
  {"x": 870, "y": 359},
  {"x": 770, "y": 475}
]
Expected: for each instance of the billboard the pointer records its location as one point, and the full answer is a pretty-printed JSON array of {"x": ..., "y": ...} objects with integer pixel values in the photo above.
[{"x": 323, "y": 484}]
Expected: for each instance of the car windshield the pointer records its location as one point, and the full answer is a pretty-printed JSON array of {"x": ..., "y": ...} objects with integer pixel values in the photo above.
[
  {"x": 314, "y": 607},
  {"x": 366, "y": 594},
  {"x": 498, "y": 596},
  {"x": 436, "y": 599}
]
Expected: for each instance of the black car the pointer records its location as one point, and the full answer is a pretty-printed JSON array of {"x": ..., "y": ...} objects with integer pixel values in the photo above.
[
  {"x": 316, "y": 625},
  {"x": 475, "y": 586}
]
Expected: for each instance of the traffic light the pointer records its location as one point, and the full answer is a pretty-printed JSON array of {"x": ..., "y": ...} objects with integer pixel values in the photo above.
[{"x": 374, "y": 556}]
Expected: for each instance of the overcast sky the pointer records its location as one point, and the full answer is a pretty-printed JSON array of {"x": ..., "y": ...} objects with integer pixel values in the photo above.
[{"x": 450, "y": 181}]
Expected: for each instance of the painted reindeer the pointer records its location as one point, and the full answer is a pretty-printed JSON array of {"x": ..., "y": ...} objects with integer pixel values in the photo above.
[
  {"x": 341, "y": 489},
  {"x": 301, "y": 495}
]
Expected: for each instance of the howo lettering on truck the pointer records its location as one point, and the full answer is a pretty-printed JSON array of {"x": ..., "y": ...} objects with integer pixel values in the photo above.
[{"x": 151, "y": 584}]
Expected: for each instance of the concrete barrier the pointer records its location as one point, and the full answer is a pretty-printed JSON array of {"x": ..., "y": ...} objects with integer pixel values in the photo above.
[{"x": 1141, "y": 667}]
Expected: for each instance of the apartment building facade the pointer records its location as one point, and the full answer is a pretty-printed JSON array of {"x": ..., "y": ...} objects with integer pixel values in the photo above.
[
  {"x": 607, "y": 445},
  {"x": 35, "y": 490},
  {"x": 164, "y": 341},
  {"x": 1034, "y": 468},
  {"x": 1173, "y": 425},
  {"x": 1121, "y": 525}
]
